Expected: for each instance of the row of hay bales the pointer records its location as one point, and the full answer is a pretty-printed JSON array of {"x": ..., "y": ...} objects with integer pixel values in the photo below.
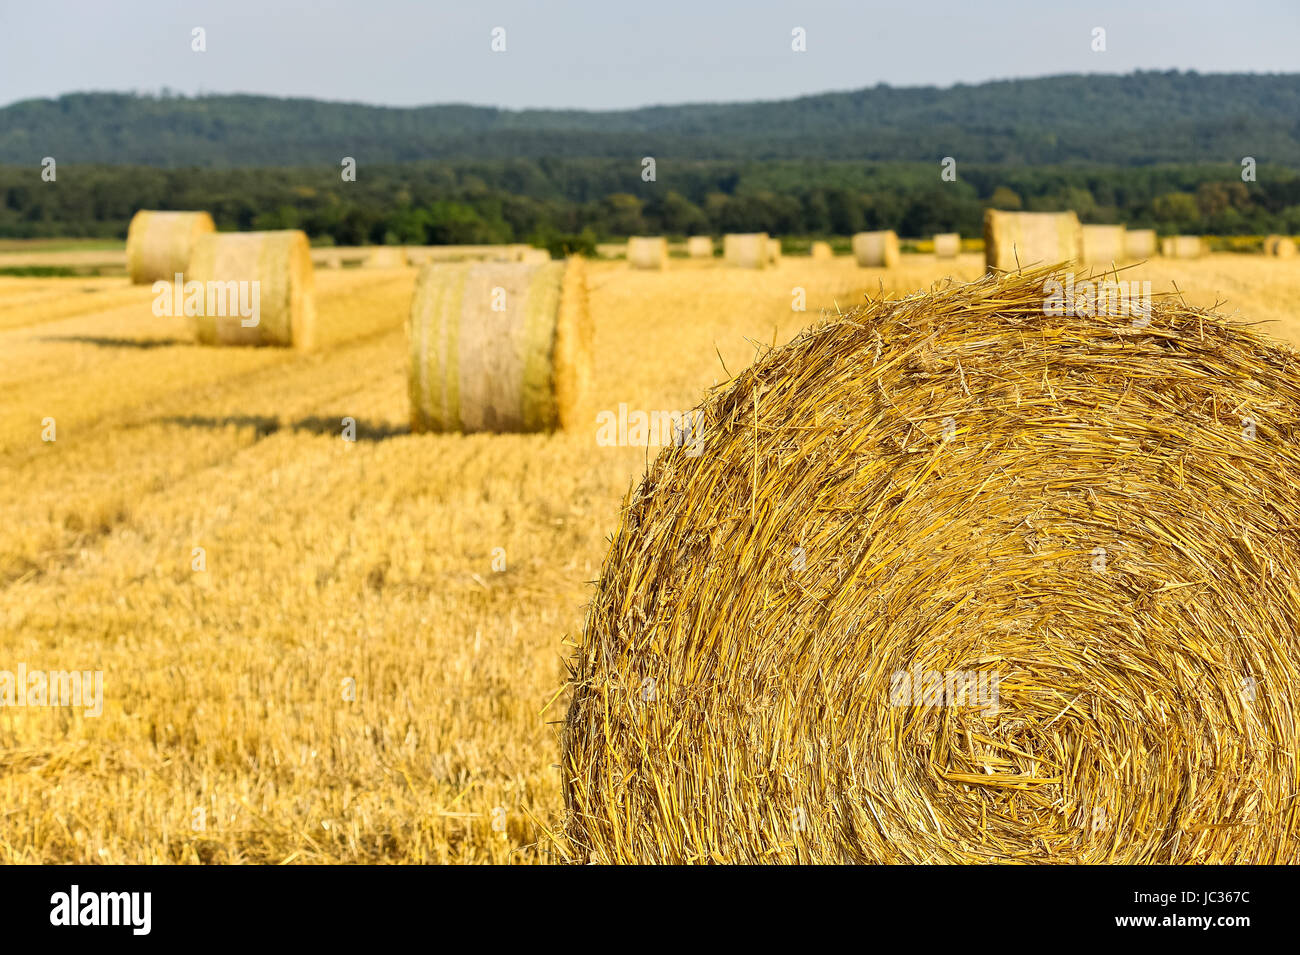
[
  {"x": 163, "y": 245},
  {"x": 755, "y": 250},
  {"x": 1013, "y": 240},
  {"x": 493, "y": 345}
]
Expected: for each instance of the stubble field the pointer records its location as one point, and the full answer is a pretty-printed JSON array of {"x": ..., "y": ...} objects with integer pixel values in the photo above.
[{"x": 350, "y": 679}]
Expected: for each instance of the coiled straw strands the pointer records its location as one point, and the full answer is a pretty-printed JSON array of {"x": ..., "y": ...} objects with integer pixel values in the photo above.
[{"x": 1096, "y": 513}]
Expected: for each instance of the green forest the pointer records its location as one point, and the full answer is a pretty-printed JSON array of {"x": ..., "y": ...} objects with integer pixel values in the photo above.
[
  {"x": 574, "y": 203},
  {"x": 1161, "y": 150}
]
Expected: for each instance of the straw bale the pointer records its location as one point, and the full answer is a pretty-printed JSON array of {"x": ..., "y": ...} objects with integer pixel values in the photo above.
[
  {"x": 777, "y": 662},
  {"x": 700, "y": 247},
  {"x": 1103, "y": 244},
  {"x": 1015, "y": 240},
  {"x": 159, "y": 244},
  {"x": 947, "y": 245},
  {"x": 745, "y": 250},
  {"x": 876, "y": 249},
  {"x": 647, "y": 252},
  {"x": 503, "y": 347},
  {"x": 280, "y": 265},
  {"x": 1140, "y": 243}
]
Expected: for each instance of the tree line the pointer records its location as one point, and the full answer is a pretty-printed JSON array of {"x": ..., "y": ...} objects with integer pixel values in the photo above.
[{"x": 573, "y": 203}]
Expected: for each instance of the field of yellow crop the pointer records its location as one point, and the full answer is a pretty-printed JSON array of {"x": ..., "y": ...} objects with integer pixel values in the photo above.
[{"x": 353, "y": 676}]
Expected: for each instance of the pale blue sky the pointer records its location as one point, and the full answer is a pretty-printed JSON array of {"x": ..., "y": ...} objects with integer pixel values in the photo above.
[{"x": 603, "y": 54}]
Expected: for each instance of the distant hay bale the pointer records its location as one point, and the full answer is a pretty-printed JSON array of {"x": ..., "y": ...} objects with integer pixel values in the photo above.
[
  {"x": 876, "y": 249},
  {"x": 1280, "y": 246},
  {"x": 1140, "y": 243},
  {"x": 159, "y": 244},
  {"x": 1182, "y": 247},
  {"x": 821, "y": 250},
  {"x": 1103, "y": 244},
  {"x": 951, "y": 580},
  {"x": 947, "y": 245},
  {"x": 700, "y": 247},
  {"x": 745, "y": 250},
  {"x": 534, "y": 256},
  {"x": 773, "y": 251},
  {"x": 647, "y": 252},
  {"x": 1014, "y": 240},
  {"x": 501, "y": 347},
  {"x": 278, "y": 265},
  {"x": 385, "y": 257}
]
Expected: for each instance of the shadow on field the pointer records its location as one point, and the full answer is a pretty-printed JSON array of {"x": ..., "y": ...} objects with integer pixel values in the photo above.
[
  {"x": 102, "y": 342},
  {"x": 266, "y": 425}
]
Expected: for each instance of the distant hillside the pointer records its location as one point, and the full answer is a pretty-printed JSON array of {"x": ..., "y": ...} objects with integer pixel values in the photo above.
[{"x": 1131, "y": 120}]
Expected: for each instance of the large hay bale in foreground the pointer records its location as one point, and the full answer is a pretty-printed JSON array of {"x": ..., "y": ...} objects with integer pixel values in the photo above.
[
  {"x": 159, "y": 244},
  {"x": 948, "y": 581},
  {"x": 647, "y": 252},
  {"x": 876, "y": 249},
  {"x": 821, "y": 251},
  {"x": 278, "y": 266},
  {"x": 1103, "y": 244},
  {"x": 1140, "y": 243},
  {"x": 1015, "y": 240},
  {"x": 746, "y": 250},
  {"x": 947, "y": 245},
  {"x": 700, "y": 247},
  {"x": 1280, "y": 246},
  {"x": 1182, "y": 246},
  {"x": 498, "y": 346}
]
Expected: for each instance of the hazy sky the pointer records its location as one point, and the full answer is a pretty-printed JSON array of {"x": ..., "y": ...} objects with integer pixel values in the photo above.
[{"x": 602, "y": 54}]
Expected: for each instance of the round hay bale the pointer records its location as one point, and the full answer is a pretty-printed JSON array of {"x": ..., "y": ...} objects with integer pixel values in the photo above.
[
  {"x": 277, "y": 265},
  {"x": 1182, "y": 247},
  {"x": 647, "y": 252},
  {"x": 773, "y": 251},
  {"x": 700, "y": 247},
  {"x": 877, "y": 250},
  {"x": 951, "y": 580},
  {"x": 385, "y": 257},
  {"x": 821, "y": 250},
  {"x": 503, "y": 347},
  {"x": 745, "y": 250},
  {"x": 1103, "y": 244},
  {"x": 535, "y": 256},
  {"x": 1015, "y": 240},
  {"x": 1140, "y": 243},
  {"x": 1279, "y": 246},
  {"x": 159, "y": 244},
  {"x": 947, "y": 245}
]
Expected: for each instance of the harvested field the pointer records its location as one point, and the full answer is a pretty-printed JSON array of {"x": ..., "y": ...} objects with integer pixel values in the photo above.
[{"x": 332, "y": 564}]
